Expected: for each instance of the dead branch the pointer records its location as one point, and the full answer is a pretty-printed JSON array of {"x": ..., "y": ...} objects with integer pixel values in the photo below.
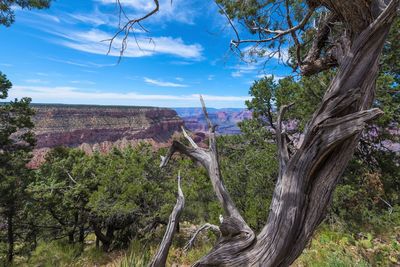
[
  {"x": 282, "y": 139},
  {"x": 234, "y": 229},
  {"x": 278, "y": 33},
  {"x": 160, "y": 258},
  {"x": 126, "y": 29},
  {"x": 204, "y": 227}
]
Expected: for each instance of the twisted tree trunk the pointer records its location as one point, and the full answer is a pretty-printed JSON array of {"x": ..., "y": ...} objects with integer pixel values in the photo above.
[{"x": 307, "y": 178}]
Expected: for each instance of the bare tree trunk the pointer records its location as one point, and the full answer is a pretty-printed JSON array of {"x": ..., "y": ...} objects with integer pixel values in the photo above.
[{"x": 160, "y": 258}]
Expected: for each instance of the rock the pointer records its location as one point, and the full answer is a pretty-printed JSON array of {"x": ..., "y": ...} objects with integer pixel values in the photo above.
[{"x": 100, "y": 128}]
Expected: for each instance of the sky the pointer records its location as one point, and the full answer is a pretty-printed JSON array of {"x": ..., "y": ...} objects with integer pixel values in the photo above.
[{"x": 59, "y": 55}]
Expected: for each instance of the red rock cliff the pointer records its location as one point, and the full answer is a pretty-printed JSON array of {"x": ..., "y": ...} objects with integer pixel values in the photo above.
[{"x": 95, "y": 127}]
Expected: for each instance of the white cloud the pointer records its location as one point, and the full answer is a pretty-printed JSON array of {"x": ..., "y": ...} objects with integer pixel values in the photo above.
[
  {"x": 36, "y": 81},
  {"x": 74, "y": 95},
  {"x": 93, "y": 19},
  {"x": 86, "y": 64},
  {"x": 177, "y": 10},
  {"x": 48, "y": 17},
  {"x": 162, "y": 83},
  {"x": 210, "y": 77},
  {"x": 94, "y": 41},
  {"x": 242, "y": 69},
  {"x": 83, "y": 82}
]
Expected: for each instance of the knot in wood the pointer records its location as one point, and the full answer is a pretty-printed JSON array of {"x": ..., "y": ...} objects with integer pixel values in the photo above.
[{"x": 231, "y": 226}]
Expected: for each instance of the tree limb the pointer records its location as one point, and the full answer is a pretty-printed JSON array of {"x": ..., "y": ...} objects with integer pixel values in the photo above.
[
  {"x": 204, "y": 227},
  {"x": 281, "y": 139},
  {"x": 278, "y": 33},
  {"x": 128, "y": 26},
  {"x": 160, "y": 258}
]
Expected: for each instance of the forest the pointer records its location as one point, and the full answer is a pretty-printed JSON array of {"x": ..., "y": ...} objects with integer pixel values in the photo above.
[{"x": 80, "y": 209}]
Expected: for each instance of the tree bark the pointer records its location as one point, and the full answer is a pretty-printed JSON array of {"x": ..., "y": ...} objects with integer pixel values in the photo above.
[
  {"x": 304, "y": 190},
  {"x": 81, "y": 234},
  {"x": 160, "y": 258},
  {"x": 307, "y": 178},
  {"x": 204, "y": 227},
  {"x": 106, "y": 239}
]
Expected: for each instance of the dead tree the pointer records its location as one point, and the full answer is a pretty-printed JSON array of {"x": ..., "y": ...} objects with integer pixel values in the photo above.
[{"x": 307, "y": 176}]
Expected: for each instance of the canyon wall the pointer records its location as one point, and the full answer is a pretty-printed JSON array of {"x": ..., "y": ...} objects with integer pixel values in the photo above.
[
  {"x": 226, "y": 119},
  {"x": 100, "y": 127}
]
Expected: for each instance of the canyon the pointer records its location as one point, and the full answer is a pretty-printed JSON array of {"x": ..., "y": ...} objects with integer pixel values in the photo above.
[
  {"x": 100, "y": 128},
  {"x": 227, "y": 119}
]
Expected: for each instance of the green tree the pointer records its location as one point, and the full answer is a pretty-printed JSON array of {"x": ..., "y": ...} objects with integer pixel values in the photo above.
[
  {"x": 61, "y": 192},
  {"x": 7, "y": 16},
  {"x": 16, "y": 143}
]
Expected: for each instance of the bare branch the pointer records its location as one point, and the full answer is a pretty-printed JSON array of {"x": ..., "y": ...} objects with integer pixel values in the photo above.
[
  {"x": 128, "y": 26},
  {"x": 211, "y": 128},
  {"x": 70, "y": 177},
  {"x": 229, "y": 20},
  {"x": 236, "y": 229},
  {"x": 293, "y": 33},
  {"x": 194, "y": 153},
  {"x": 281, "y": 140},
  {"x": 160, "y": 258},
  {"x": 204, "y": 227},
  {"x": 193, "y": 143},
  {"x": 278, "y": 33}
]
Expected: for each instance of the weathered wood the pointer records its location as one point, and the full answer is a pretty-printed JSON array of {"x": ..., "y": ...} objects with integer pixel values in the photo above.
[
  {"x": 239, "y": 235},
  {"x": 160, "y": 258},
  {"x": 305, "y": 188},
  {"x": 202, "y": 228},
  {"x": 308, "y": 177}
]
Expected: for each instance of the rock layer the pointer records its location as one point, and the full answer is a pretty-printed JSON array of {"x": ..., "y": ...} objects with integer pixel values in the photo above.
[{"x": 101, "y": 127}]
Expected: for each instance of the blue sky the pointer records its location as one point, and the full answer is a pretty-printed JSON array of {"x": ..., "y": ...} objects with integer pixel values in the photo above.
[{"x": 57, "y": 56}]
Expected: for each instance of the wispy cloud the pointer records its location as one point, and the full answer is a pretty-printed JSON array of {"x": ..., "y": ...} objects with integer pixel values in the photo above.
[
  {"x": 36, "y": 81},
  {"x": 83, "y": 82},
  {"x": 48, "y": 17},
  {"x": 163, "y": 83},
  {"x": 86, "y": 64},
  {"x": 241, "y": 69},
  {"x": 93, "y": 41},
  {"x": 74, "y": 95},
  {"x": 178, "y": 10},
  {"x": 211, "y": 77}
]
